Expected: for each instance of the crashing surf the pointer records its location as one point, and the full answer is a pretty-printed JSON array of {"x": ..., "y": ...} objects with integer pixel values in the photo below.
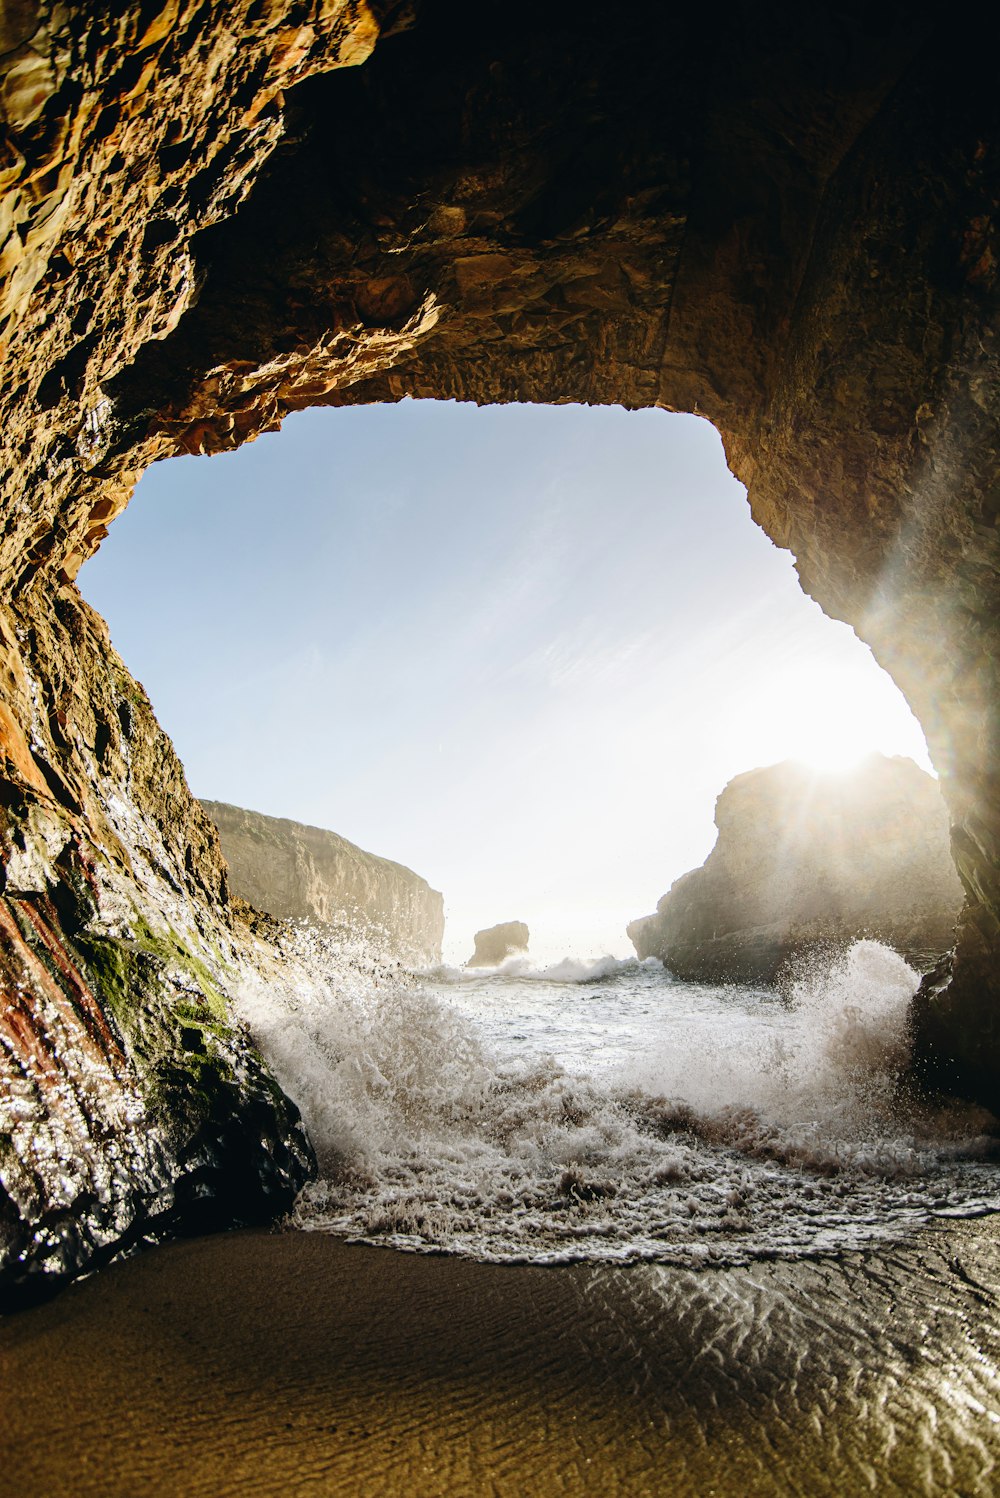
[{"x": 739, "y": 1125}]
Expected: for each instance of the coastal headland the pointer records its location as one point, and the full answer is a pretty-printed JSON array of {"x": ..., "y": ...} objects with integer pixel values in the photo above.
[
  {"x": 296, "y": 872},
  {"x": 808, "y": 861}
]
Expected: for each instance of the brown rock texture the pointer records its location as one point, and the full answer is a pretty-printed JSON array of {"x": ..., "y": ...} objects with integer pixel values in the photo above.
[
  {"x": 782, "y": 217},
  {"x": 806, "y": 860},
  {"x": 132, "y": 1103},
  {"x": 307, "y": 874},
  {"x": 495, "y": 943}
]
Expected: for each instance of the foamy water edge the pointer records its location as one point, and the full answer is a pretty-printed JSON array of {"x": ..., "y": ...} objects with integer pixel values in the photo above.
[{"x": 783, "y": 1131}]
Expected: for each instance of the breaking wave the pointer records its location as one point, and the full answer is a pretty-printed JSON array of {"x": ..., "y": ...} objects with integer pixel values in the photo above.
[
  {"x": 734, "y": 1125},
  {"x": 520, "y": 969}
]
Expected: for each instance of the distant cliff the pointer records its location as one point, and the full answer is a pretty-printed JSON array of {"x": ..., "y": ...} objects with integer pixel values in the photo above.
[
  {"x": 804, "y": 858},
  {"x": 306, "y": 873}
]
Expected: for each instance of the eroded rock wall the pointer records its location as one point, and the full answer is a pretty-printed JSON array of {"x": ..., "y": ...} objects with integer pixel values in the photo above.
[
  {"x": 132, "y": 1103},
  {"x": 782, "y": 217},
  {"x": 308, "y": 874},
  {"x": 806, "y": 860}
]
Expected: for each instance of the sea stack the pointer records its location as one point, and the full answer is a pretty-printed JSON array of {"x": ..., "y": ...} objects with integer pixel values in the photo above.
[
  {"x": 498, "y": 942},
  {"x": 805, "y": 859}
]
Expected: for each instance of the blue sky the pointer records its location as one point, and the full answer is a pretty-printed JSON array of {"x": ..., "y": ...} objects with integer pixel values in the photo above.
[{"x": 520, "y": 649}]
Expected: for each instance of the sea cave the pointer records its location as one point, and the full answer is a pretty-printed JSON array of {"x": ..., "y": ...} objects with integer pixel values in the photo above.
[{"x": 781, "y": 219}]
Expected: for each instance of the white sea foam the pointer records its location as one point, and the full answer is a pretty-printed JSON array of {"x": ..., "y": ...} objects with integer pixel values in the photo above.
[
  {"x": 521, "y": 969},
  {"x": 485, "y": 1117},
  {"x": 832, "y": 1050}
]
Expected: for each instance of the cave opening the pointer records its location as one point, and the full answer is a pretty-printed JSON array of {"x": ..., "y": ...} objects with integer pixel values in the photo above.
[{"x": 519, "y": 649}]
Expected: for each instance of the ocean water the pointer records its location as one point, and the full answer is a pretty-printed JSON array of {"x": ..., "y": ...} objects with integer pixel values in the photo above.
[{"x": 603, "y": 1111}]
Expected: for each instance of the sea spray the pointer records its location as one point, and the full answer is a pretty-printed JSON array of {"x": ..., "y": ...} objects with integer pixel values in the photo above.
[
  {"x": 828, "y": 1052},
  {"x": 604, "y": 1111},
  {"x": 569, "y": 970}
]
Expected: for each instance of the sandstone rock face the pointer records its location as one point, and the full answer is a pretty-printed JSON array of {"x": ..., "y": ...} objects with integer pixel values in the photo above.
[
  {"x": 305, "y": 873},
  {"x": 498, "y": 942},
  {"x": 132, "y": 1104},
  {"x": 804, "y": 860},
  {"x": 784, "y": 218}
]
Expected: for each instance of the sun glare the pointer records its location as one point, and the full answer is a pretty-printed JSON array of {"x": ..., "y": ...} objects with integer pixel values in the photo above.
[
  {"x": 832, "y": 754},
  {"x": 837, "y": 719}
]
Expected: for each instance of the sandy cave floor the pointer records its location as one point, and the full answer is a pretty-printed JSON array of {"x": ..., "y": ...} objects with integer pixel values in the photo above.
[{"x": 288, "y": 1363}]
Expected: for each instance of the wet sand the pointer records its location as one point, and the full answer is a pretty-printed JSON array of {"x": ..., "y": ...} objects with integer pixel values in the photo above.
[{"x": 291, "y": 1363}]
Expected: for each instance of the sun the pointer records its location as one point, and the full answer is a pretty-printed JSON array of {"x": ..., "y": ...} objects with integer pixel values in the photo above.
[
  {"x": 835, "y": 719},
  {"x": 832, "y": 755},
  {"x": 836, "y": 735}
]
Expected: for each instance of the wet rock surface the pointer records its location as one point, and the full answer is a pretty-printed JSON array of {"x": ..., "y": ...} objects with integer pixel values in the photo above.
[
  {"x": 785, "y": 220},
  {"x": 497, "y": 942},
  {"x": 132, "y": 1104},
  {"x": 808, "y": 861},
  {"x": 308, "y": 874}
]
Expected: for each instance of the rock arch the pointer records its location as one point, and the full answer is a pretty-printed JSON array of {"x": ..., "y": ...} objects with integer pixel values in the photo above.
[{"x": 782, "y": 217}]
